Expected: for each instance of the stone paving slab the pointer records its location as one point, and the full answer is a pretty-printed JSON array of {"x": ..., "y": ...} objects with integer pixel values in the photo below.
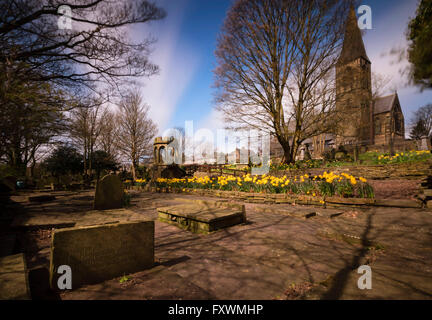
[
  {"x": 67, "y": 219},
  {"x": 252, "y": 254},
  {"x": 274, "y": 250},
  {"x": 7, "y": 243},
  {"x": 142, "y": 286},
  {"x": 301, "y": 212},
  {"x": 388, "y": 283},
  {"x": 13, "y": 278}
]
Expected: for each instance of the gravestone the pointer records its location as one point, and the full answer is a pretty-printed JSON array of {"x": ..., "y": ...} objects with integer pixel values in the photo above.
[
  {"x": 203, "y": 216},
  {"x": 109, "y": 193},
  {"x": 102, "y": 252}
]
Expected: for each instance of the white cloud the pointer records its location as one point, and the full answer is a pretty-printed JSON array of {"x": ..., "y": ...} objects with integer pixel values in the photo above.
[
  {"x": 388, "y": 33},
  {"x": 177, "y": 63},
  {"x": 213, "y": 121}
]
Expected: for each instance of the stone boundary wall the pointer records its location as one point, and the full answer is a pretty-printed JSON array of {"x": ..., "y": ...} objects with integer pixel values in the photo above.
[
  {"x": 271, "y": 198},
  {"x": 411, "y": 170}
]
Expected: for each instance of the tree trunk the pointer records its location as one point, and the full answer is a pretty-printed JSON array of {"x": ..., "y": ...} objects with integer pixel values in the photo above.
[
  {"x": 287, "y": 158},
  {"x": 133, "y": 171}
]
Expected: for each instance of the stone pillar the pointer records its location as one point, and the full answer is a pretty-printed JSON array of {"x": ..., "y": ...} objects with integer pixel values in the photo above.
[
  {"x": 302, "y": 153},
  {"x": 424, "y": 143}
]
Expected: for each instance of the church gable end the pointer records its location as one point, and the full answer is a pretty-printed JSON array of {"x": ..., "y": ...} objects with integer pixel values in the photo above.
[{"x": 388, "y": 120}]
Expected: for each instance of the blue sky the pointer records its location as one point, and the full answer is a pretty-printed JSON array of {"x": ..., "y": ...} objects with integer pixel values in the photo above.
[{"x": 186, "y": 41}]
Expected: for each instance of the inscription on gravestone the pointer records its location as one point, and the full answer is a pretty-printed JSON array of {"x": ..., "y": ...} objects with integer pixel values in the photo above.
[{"x": 100, "y": 253}]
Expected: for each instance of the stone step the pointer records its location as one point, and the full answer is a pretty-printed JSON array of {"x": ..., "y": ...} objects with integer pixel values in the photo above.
[
  {"x": 427, "y": 192},
  {"x": 13, "y": 278},
  {"x": 400, "y": 203}
]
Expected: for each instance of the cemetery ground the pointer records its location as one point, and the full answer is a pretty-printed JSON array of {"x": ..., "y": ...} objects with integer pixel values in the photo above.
[{"x": 283, "y": 251}]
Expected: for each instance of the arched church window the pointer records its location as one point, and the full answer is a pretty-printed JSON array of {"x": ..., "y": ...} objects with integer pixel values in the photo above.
[
  {"x": 378, "y": 127},
  {"x": 398, "y": 122}
]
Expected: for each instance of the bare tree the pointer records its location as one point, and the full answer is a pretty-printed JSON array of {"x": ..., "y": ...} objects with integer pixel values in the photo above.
[
  {"x": 275, "y": 67},
  {"x": 424, "y": 116},
  {"x": 85, "y": 128},
  {"x": 379, "y": 84},
  {"x": 135, "y": 129},
  {"x": 45, "y": 69},
  {"x": 108, "y": 132},
  {"x": 97, "y": 48},
  {"x": 31, "y": 115}
]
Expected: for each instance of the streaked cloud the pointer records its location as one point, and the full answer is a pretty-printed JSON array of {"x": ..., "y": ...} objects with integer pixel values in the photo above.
[
  {"x": 389, "y": 33},
  {"x": 176, "y": 59}
]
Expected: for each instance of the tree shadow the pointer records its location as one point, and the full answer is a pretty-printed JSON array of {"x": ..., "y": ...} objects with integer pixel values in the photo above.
[{"x": 340, "y": 279}]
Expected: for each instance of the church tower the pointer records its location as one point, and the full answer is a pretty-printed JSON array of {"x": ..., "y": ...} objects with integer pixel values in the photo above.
[{"x": 354, "y": 88}]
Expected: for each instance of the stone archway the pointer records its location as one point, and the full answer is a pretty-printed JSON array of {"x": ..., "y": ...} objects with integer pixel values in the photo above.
[
  {"x": 161, "y": 154},
  {"x": 160, "y": 145}
]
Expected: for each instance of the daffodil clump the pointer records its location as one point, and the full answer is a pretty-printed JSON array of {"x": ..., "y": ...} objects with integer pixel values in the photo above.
[
  {"x": 326, "y": 184},
  {"x": 137, "y": 182},
  {"x": 140, "y": 182},
  {"x": 400, "y": 157}
]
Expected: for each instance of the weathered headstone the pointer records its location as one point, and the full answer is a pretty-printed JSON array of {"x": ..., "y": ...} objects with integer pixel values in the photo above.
[
  {"x": 103, "y": 252},
  {"x": 109, "y": 193}
]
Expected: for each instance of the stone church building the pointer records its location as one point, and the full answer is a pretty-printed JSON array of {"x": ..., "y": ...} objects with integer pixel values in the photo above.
[
  {"x": 371, "y": 123},
  {"x": 366, "y": 120}
]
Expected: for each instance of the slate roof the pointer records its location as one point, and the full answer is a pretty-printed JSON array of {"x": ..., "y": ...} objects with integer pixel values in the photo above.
[
  {"x": 353, "y": 46},
  {"x": 384, "y": 104}
]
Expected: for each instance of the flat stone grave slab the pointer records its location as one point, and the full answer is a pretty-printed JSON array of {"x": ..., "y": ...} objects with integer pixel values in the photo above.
[
  {"x": 99, "y": 253},
  {"x": 13, "y": 278},
  {"x": 41, "y": 198},
  {"x": 67, "y": 219},
  {"x": 202, "y": 216}
]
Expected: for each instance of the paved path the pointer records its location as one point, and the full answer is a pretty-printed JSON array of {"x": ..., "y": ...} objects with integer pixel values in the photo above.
[{"x": 278, "y": 249}]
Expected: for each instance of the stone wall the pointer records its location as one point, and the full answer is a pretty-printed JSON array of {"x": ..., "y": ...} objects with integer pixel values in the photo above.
[
  {"x": 414, "y": 170},
  {"x": 281, "y": 198}
]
